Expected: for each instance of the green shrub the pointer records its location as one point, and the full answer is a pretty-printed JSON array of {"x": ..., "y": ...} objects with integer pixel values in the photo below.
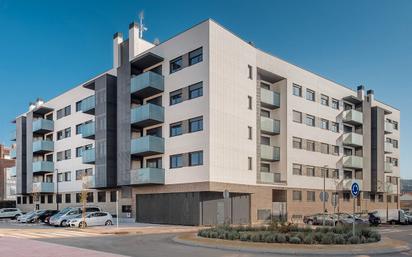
[
  {"x": 213, "y": 234},
  {"x": 326, "y": 240},
  {"x": 365, "y": 232},
  {"x": 309, "y": 239},
  {"x": 280, "y": 238},
  {"x": 317, "y": 236},
  {"x": 353, "y": 240},
  {"x": 270, "y": 238},
  {"x": 375, "y": 235},
  {"x": 233, "y": 235},
  {"x": 295, "y": 240},
  {"x": 371, "y": 240},
  {"x": 255, "y": 238},
  {"x": 339, "y": 239},
  {"x": 244, "y": 237},
  {"x": 301, "y": 235}
]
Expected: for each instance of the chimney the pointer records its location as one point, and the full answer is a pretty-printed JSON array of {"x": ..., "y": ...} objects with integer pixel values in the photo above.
[
  {"x": 371, "y": 96},
  {"x": 361, "y": 92},
  {"x": 117, "y": 40},
  {"x": 134, "y": 40}
]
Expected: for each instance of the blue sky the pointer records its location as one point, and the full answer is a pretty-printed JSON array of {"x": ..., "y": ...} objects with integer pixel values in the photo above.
[{"x": 46, "y": 47}]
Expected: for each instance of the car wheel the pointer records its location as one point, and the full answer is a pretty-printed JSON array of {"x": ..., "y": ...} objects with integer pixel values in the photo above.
[
  {"x": 108, "y": 223},
  {"x": 63, "y": 223},
  {"x": 82, "y": 224},
  {"x": 16, "y": 216}
]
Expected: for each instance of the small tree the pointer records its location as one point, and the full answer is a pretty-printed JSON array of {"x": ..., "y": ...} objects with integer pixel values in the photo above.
[{"x": 83, "y": 198}]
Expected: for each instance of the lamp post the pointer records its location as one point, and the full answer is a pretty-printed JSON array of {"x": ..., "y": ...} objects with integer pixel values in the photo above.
[
  {"x": 324, "y": 193},
  {"x": 57, "y": 189}
]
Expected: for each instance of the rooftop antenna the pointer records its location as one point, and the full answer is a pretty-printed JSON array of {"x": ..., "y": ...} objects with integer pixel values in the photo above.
[{"x": 141, "y": 26}]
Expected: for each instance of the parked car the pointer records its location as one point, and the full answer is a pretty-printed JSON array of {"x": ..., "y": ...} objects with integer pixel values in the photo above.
[
  {"x": 92, "y": 219},
  {"x": 11, "y": 213},
  {"x": 374, "y": 220},
  {"x": 329, "y": 219},
  {"x": 392, "y": 216},
  {"x": 308, "y": 219},
  {"x": 46, "y": 215},
  {"x": 30, "y": 217},
  {"x": 348, "y": 220},
  {"x": 62, "y": 217},
  {"x": 23, "y": 216},
  {"x": 408, "y": 217}
]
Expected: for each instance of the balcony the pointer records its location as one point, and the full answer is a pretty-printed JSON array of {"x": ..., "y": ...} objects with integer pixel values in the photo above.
[
  {"x": 270, "y": 178},
  {"x": 43, "y": 167},
  {"x": 43, "y": 146},
  {"x": 388, "y": 148},
  {"x": 269, "y": 126},
  {"x": 88, "y": 130},
  {"x": 13, "y": 135},
  {"x": 353, "y": 162},
  {"x": 13, "y": 153},
  {"x": 269, "y": 99},
  {"x": 147, "y": 176},
  {"x": 12, "y": 171},
  {"x": 89, "y": 181},
  {"x": 388, "y": 167},
  {"x": 353, "y": 139},
  {"x": 43, "y": 187},
  {"x": 147, "y": 115},
  {"x": 346, "y": 184},
  {"x": 269, "y": 153},
  {"x": 388, "y": 128},
  {"x": 147, "y": 84},
  {"x": 147, "y": 145},
  {"x": 89, "y": 156},
  {"x": 353, "y": 117},
  {"x": 43, "y": 126},
  {"x": 88, "y": 105}
]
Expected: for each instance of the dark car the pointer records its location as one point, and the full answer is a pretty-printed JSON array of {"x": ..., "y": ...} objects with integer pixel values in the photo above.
[
  {"x": 309, "y": 219},
  {"x": 46, "y": 214},
  {"x": 374, "y": 220}
]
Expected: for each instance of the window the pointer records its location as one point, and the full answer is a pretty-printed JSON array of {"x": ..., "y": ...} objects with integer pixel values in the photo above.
[
  {"x": 66, "y": 111},
  {"x": 297, "y": 169},
  {"x": 310, "y": 95},
  {"x": 42, "y": 199},
  {"x": 49, "y": 198},
  {"x": 196, "y": 124},
  {"x": 249, "y": 163},
  {"x": 64, "y": 155},
  {"x": 176, "y": 64},
  {"x": 297, "y": 116},
  {"x": 265, "y": 167},
  {"x": 264, "y": 113},
  {"x": 126, "y": 208},
  {"x": 196, "y": 158},
  {"x": 297, "y": 195},
  {"x": 395, "y": 198},
  {"x": 250, "y": 71},
  {"x": 154, "y": 163},
  {"x": 395, "y": 143},
  {"x": 335, "y": 150},
  {"x": 335, "y": 104},
  {"x": 264, "y": 86},
  {"x": 297, "y": 142},
  {"x": 65, "y": 133},
  {"x": 335, "y": 127},
  {"x": 60, "y": 177},
  {"x": 310, "y": 196},
  {"x": 176, "y": 129},
  {"x": 324, "y": 124},
  {"x": 90, "y": 197},
  {"x": 101, "y": 197},
  {"x": 324, "y": 172},
  {"x": 59, "y": 198},
  {"x": 249, "y": 100},
  {"x": 335, "y": 173},
  {"x": 31, "y": 199},
  {"x": 195, "y": 56},
  {"x": 249, "y": 129},
  {"x": 78, "y": 197},
  {"x": 79, "y": 174},
  {"x": 324, "y": 100},
  {"x": 324, "y": 148},
  {"x": 176, "y": 97},
  {"x": 112, "y": 196},
  {"x": 78, "y": 106},
  {"x": 347, "y": 174},
  {"x": 380, "y": 198},
  {"x": 346, "y": 196},
  {"x": 347, "y": 152},
  {"x": 310, "y": 171},
  {"x": 79, "y": 129},
  {"x": 395, "y": 162},
  {"x": 18, "y": 200},
  {"x": 395, "y": 125},
  {"x": 176, "y": 161},
  {"x": 310, "y": 120},
  {"x": 68, "y": 176},
  {"x": 67, "y": 198},
  {"x": 196, "y": 90},
  {"x": 79, "y": 151},
  {"x": 310, "y": 145},
  {"x": 264, "y": 140},
  {"x": 297, "y": 90}
]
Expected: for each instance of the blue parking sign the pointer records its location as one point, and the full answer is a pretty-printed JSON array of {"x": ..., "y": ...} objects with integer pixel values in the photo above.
[{"x": 355, "y": 189}]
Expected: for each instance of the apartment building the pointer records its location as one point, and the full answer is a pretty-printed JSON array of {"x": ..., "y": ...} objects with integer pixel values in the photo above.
[
  {"x": 205, "y": 128},
  {"x": 6, "y": 180}
]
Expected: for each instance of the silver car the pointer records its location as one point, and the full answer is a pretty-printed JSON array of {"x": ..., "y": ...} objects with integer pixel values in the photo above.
[
  {"x": 62, "y": 217},
  {"x": 92, "y": 219}
]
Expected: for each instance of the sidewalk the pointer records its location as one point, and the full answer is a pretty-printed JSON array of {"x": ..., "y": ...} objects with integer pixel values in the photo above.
[{"x": 385, "y": 246}]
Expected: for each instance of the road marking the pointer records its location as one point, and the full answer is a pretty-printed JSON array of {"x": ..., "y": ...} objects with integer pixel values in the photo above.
[{"x": 47, "y": 234}]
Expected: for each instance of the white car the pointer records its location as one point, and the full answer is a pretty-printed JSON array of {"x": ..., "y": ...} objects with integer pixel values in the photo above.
[
  {"x": 62, "y": 217},
  {"x": 92, "y": 219},
  {"x": 28, "y": 217},
  {"x": 11, "y": 213}
]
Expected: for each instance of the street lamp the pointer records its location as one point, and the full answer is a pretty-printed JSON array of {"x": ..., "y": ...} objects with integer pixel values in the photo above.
[{"x": 57, "y": 189}]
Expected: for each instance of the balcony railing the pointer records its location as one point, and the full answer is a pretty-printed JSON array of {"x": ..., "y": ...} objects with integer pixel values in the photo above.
[
  {"x": 388, "y": 127},
  {"x": 43, "y": 146},
  {"x": 43, "y": 126},
  {"x": 43, "y": 167},
  {"x": 353, "y": 117},
  {"x": 88, "y": 130},
  {"x": 269, "y": 99},
  {"x": 13, "y": 153},
  {"x": 147, "y": 84},
  {"x": 269, "y": 153},
  {"x": 89, "y": 156},
  {"x": 353, "y": 162},
  {"x": 353, "y": 139},
  {"x": 388, "y": 167},
  {"x": 43, "y": 187},
  {"x": 89, "y": 181},
  {"x": 388, "y": 148},
  {"x": 269, "y": 126},
  {"x": 147, "y": 145},
  {"x": 270, "y": 178},
  {"x": 148, "y": 176},
  {"x": 147, "y": 115},
  {"x": 88, "y": 105}
]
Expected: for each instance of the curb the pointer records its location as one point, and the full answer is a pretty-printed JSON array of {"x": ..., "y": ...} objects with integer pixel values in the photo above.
[{"x": 291, "y": 251}]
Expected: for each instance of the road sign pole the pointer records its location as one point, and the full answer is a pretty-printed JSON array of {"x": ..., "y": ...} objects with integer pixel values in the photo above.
[
  {"x": 355, "y": 190},
  {"x": 353, "y": 217}
]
